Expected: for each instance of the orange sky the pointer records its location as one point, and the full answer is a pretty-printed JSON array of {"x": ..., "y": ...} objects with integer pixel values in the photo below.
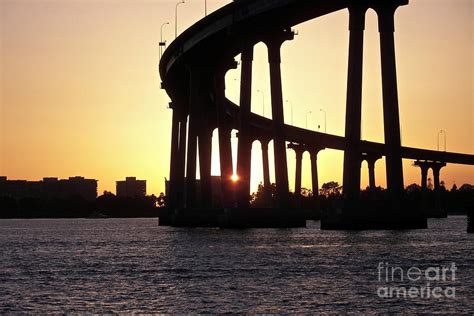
[{"x": 80, "y": 87}]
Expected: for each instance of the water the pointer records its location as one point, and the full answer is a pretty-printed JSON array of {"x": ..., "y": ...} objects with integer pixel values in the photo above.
[{"x": 133, "y": 265}]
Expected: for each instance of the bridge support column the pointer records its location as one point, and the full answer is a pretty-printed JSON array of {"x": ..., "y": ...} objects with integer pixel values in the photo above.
[
  {"x": 385, "y": 12},
  {"x": 351, "y": 174},
  {"x": 267, "y": 186},
  {"x": 180, "y": 174},
  {"x": 424, "y": 188},
  {"x": 436, "y": 167},
  {"x": 205, "y": 153},
  {"x": 299, "y": 151},
  {"x": 436, "y": 171},
  {"x": 225, "y": 155},
  {"x": 313, "y": 151},
  {"x": 244, "y": 151},
  {"x": 314, "y": 178},
  {"x": 191, "y": 162},
  {"x": 299, "y": 163},
  {"x": 274, "y": 43},
  {"x": 173, "y": 182},
  {"x": 371, "y": 166},
  {"x": 371, "y": 159},
  {"x": 424, "y": 167},
  {"x": 424, "y": 178},
  {"x": 199, "y": 130},
  {"x": 224, "y": 130}
]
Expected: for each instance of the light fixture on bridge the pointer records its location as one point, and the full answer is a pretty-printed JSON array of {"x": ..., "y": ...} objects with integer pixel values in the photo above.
[
  {"x": 176, "y": 19},
  {"x": 162, "y": 43},
  {"x": 325, "y": 126},
  {"x": 444, "y": 133},
  {"x": 307, "y": 112}
]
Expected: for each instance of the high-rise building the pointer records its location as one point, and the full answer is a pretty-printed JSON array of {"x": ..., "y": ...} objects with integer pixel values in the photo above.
[{"x": 131, "y": 187}]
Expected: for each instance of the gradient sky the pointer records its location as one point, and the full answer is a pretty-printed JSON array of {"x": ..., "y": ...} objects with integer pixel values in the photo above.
[{"x": 80, "y": 88}]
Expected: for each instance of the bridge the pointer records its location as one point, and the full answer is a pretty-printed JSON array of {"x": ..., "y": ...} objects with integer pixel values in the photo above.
[{"x": 193, "y": 70}]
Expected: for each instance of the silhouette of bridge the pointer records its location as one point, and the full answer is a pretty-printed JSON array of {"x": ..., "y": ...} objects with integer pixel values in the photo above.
[{"x": 193, "y": 72}]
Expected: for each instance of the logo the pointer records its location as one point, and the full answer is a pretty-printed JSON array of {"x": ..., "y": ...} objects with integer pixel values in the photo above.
[{"x": 428, "y": 283}]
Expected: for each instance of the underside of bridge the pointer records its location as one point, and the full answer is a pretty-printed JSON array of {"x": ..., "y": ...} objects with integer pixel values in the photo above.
[{"x": 193, "y": 72}]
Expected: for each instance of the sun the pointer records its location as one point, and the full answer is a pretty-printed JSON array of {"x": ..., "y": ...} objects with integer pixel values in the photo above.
[{"x": 235, "y": 177}]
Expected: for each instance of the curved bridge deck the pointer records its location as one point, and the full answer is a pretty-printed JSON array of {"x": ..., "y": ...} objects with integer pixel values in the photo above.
[{"x": 193, "y": 72}]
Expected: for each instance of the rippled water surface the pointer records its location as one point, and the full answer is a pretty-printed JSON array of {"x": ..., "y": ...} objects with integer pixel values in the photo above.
[{"x": 133, "y": 265}]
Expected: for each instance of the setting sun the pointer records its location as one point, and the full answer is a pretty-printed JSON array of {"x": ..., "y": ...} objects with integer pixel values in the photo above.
[{"x": 235, "y": 178}]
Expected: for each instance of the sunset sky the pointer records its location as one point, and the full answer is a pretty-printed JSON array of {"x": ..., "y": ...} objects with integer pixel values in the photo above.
[{"x": 80, "y": 89}]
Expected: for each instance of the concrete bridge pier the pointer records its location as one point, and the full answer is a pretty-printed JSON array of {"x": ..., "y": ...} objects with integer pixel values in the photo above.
[
  {"x": 314, "y": 178},
  {"x": 194, "y": 118},
  {"x": 180, "y": 184},
  {"x": 424, "y": 167},
  {"x": 436, "y": 166},
  {"x": 173, "y": 192},
  {"x": 244, "y": 151},
  {"x": 205, "y": 154},
  {"x": 298, "y": 171},
  {"x": 371, "y": 159},
  {"x": 313, "y": 152},
  {"x": 225, "y": 159},
  {"x": 351, "y": 173},
  {"x": 371, "y": 166},
  {"x": 177, "y": 159},
  {"x": 385, "y": 12},
  {"x": 225, "y": 134},
  {"x": 424, "y": 177},
  {"x": 201, "y": 123},
  {"x": 267, "y": 186},
  {"x": 274, "y": 42}
]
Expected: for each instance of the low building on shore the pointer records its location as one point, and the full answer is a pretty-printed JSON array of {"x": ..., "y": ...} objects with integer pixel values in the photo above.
[{"x": 49, "y": 188}]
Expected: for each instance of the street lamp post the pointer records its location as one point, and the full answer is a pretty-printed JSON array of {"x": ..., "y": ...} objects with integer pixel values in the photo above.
[
  {"x": 205, "y": 7},
  {"x": 325, "y": 129},
  {"x": 176, "y": 19},
  {"x": 263, "y": 102},
  {"x": 444, "y": 133},
  {"x": 307, "y": 112},
  {"x": 162, "y": 43},
  {"x": 291, "y": 105}
]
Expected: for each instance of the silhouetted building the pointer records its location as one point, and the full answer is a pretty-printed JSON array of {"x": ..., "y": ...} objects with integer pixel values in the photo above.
[
  {"x": 79, "y": 186},
  {"x": 50, "y": 188},
  {"x": 131, "y": 187},
  {"x": 13, "y": 188}
]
